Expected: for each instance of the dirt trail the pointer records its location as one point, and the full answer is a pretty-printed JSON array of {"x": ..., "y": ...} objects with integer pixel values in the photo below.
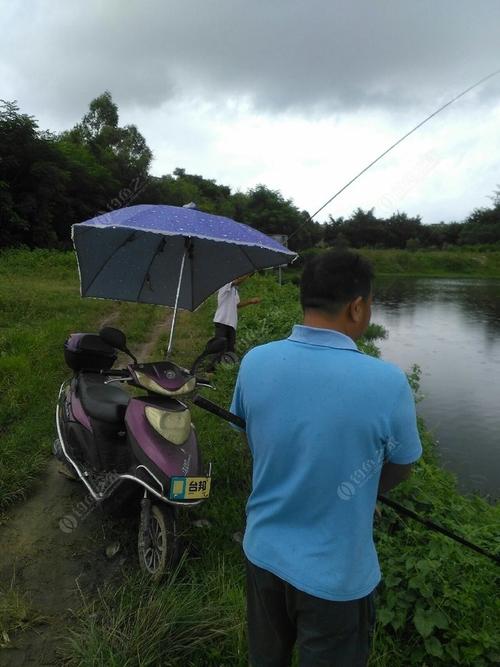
[
  {"x": 53, "y": 548},
  {"x": 53, "y": 545},
  {"x": 144, "y": 352}
]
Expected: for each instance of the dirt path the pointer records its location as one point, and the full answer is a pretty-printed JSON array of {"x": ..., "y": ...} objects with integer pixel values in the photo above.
[
  {"x": 53, "y": 549},
  {"x": 144, "y": 352},
  {"x": 53, "y": 546}
]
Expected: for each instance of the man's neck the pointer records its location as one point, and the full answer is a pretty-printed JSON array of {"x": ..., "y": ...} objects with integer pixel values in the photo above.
[{"x": 322, "y": 320}]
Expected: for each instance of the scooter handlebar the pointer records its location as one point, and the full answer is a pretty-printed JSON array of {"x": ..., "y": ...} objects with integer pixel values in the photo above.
[{"x": 116, "y": 372}]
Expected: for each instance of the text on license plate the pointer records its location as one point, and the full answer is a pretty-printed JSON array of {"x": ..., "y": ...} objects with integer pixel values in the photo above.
[{"x": 189, "y": 488}]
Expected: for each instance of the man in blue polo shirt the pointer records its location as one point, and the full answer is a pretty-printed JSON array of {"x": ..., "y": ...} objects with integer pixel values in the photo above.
[{"x": 328, "y": 428}]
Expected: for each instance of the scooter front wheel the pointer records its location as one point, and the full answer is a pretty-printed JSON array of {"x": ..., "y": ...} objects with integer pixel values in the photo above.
[{"x": 157, "y": 539}]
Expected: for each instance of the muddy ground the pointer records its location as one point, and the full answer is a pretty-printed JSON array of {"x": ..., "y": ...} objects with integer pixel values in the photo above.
[{"x": 53, "y": 549}]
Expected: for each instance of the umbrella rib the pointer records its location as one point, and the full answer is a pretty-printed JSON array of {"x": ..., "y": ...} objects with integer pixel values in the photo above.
[
  {"x": 161, "y": 244},
  {"x": 251, "y": 262},
  {"x": 107, "y": 260},
  {"x": 191, "y": 271}
]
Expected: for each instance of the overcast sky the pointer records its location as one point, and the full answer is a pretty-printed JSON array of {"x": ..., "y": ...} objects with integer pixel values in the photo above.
[{"x": 298, "y": 95}]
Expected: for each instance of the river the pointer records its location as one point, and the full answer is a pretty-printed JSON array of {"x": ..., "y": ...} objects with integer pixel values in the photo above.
[{"x": 451, "y": 329}]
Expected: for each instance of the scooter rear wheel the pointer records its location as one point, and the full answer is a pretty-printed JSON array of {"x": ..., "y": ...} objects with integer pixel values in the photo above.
[{"x": 157, "y": 540}]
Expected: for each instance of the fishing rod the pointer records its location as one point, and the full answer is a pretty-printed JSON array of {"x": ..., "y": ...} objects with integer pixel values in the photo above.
[
  {"x": 434, "y": 113},
  {"x": 217, "y": 410},
  {"x": 439, "y": 529}
]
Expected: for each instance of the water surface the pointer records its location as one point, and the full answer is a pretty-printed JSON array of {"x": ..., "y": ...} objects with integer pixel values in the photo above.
[{"x": 451, "y": 329}]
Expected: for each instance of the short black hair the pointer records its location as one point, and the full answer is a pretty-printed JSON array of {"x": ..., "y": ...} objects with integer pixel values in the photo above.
[{"x": 333, "y": 279}]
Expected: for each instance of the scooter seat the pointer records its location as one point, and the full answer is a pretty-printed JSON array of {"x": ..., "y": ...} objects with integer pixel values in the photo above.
[{"x": 105, "y": 402}]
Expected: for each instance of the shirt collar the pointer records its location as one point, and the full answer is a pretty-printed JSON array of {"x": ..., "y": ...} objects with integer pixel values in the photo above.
[{"x": 322, "y": 337}]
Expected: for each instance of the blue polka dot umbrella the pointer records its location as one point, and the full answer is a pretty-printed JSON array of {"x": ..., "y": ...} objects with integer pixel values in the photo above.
[
  {"x": 135, "y": 254},
  {"x": 168, "y": 255}
]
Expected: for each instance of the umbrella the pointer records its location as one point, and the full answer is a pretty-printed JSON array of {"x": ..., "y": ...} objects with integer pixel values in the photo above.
[{"x": 168, "y": 255}]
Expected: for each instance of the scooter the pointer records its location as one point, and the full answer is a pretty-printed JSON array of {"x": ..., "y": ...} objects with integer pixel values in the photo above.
[{"x": 108, "y": 437}]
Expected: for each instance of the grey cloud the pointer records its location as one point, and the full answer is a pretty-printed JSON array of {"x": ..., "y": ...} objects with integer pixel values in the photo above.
[{"x": 308, "y": 56}]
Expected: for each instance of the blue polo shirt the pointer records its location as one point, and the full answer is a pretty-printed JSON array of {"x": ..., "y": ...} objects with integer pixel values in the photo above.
[{"x": 321, "y": 419}]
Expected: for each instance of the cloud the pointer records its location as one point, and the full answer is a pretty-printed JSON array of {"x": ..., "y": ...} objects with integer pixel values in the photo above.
[
  {"x": 299, "y": 95},
  {"x": 314, "y": 56},
  {"x": 441, "y": 173}
]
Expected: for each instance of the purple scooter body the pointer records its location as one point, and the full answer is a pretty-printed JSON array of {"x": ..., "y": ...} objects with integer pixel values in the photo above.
[{"x": 109, "y": 438}]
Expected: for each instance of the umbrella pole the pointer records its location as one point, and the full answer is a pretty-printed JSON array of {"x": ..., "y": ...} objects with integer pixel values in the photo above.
[{"x": 174, "y": 316}]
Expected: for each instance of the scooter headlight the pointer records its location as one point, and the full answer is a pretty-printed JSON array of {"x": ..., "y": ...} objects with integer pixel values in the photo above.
[
  {"x": 150, "y": 384},
  {"x": 173, "y": 426}
]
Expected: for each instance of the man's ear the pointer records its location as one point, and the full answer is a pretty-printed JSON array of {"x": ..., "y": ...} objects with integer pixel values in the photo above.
[{"x": 355, "y": 309}]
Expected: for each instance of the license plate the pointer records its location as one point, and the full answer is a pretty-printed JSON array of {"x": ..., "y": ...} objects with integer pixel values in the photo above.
[{"x": 189, "y": 488}]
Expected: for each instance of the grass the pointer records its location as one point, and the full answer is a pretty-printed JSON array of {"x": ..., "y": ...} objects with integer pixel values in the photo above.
[
  {"x": 435, "y": 263},
  {"x": 457, "y": 263},
  {"x": 437, "y": 604},
  {"x": 39, "y": 306},
  {"x": 177, "y": 624},
  {"x": 16, "y": 613}
]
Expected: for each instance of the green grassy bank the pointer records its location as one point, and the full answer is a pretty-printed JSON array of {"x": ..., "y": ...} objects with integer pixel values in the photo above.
[
  {"x": 436, "y": 605},
  {"x": 40, "y": 305},
  {"x": 456, "y": 263}
]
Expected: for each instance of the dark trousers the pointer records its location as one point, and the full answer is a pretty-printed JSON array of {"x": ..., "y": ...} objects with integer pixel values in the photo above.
[
  {"x": 327, "y": 634},
  {"x": 227, "y": 332}
]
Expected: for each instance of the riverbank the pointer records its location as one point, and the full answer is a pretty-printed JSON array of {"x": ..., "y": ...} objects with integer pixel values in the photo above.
[{"x": 456, "y": 263}]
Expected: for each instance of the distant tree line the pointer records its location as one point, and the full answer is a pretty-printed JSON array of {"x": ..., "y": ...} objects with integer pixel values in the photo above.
[
  {"x": 365, "y": 229},
  {"x": 50, "y": 181}
]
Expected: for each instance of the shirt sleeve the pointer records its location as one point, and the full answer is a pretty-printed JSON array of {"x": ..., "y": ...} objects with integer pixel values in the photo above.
[
  {"x": 404, "y": 444},
  {"x": 223, "y": 292},
  {"x": 237, "y": 407}
]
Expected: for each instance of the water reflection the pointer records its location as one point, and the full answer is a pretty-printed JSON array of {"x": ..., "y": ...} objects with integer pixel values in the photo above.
[{"x": 451, "y": 329}]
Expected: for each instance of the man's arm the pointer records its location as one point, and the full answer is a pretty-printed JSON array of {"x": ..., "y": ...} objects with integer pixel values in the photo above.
[
  {"x": 393, "y": 474},
  {"x": 248, "y": 302},
  {"x": 403, "y": 447}
]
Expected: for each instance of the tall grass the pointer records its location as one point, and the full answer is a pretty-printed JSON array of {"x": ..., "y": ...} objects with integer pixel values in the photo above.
[
  {"x": 16, "y": 613},
  {"x": 179, "y": 623}
]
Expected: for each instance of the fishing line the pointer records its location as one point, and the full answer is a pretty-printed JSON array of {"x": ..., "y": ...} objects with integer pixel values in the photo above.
[{"x": 464, "y": 92}]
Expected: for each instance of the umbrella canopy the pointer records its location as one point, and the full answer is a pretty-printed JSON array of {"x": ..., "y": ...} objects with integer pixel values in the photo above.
[{"x": 153, "y": 254}]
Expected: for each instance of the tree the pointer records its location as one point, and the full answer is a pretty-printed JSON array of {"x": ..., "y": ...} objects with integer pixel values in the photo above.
[
  {"x": 482, "y": 226},
  {"x": 123, "y": 150},
  {"x": 400, "y": 228},
  {"x": 268, "y": 211},
  {"x": 100, "y": 122},
  {"x": 32, "y": 180}
]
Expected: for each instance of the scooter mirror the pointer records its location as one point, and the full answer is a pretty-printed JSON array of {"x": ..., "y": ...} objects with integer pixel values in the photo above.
[{"x": 114, "y": 337}]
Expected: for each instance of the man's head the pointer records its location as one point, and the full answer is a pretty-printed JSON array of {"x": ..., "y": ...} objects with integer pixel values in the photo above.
[{"x": 336, "y": 292}]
